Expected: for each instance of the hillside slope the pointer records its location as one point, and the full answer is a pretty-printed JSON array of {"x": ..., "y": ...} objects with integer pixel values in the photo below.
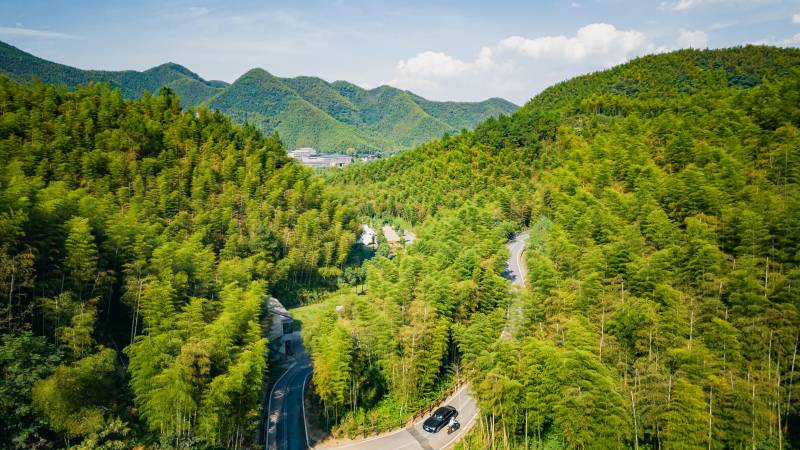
[
  {"x": 306, "y": 111},
  {"x": 151, "y": 239},
  {"x": 21, "y": 67},
  {"x": 662, "y": 308}
]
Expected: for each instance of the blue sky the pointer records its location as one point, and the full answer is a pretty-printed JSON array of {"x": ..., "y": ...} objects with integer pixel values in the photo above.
[{"x": 443, "y": 50}]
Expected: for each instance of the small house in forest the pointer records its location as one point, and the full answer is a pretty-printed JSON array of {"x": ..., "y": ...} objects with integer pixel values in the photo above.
[
  {"x": 367, "y": 236},
  {"x": 391, "y": 237}
]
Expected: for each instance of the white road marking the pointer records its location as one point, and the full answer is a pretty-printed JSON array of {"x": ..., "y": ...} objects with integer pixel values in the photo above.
[
  {"x": 303, "y": 402},
  {"x": 456, "y": 396},
  {"x": 271, "y": 392}
]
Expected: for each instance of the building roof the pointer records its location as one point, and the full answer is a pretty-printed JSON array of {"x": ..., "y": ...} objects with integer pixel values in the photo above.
[
  {"x": 367, "y": 236},
  {"x": 390, "y": 234}
]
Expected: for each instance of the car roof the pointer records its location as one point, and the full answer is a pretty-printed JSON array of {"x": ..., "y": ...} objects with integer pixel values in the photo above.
[{"x": 445, "y": 409}]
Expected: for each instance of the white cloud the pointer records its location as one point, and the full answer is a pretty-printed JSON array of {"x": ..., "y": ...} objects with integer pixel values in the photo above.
[
  {"x": 435, "y": 64},
  {"x": 692, "y": 39},
  {"x": 431, "y": 64},
  {"x": 423, "y": 86},
  {"x": 484, "y": 60},
  {"x": 696, "y": 39},
  {"x": 796, "y": 19},
  {"x": 724, "y": 24},
  {"x": 514, "y": 61},
  {"x": 197, "y": 11},
  {"x": 29, "y": 32},
  {"x": 511, "y": 61},
  {"x": 365, "y": 84},
  {"x": 597, "y": 40},
  {"x": 684, "y": 5},
  {"x": 575, "y": 5},
  {"x": 793, "y": 41},
  {"x": 432, "y": 74}
]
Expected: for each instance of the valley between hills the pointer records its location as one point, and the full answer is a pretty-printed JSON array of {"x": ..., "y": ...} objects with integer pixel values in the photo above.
[
  {"x": 305, "y": 111},
  {"x": 614, "y": 264}
]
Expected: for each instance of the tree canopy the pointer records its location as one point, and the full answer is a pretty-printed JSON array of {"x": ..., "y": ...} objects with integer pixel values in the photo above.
[
  {"x": 661, "y": 307},
  {"x": 139, "y": 242}
]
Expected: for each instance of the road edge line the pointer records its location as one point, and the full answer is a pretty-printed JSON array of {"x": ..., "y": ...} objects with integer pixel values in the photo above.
[
  {"x": 269, "y": 402},
  {"x": 463, "y": 430},
  {"x": 303, "y": 402},
  {"x": 444, "y": 402},
  {"x": 369, "y": 439},
  {"x": 520, "y": 261},
  {"x": 400, "y": 430}
]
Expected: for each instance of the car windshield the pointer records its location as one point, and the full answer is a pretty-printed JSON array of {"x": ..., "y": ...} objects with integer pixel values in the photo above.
[{"x": 440, "y": 413}]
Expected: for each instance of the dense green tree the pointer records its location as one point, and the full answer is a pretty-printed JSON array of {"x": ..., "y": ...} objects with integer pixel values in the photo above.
[
  {"x": 138, "y": 237},
  {"x": 75, "y": 397},
  {"x": 660, "y": 308},
  {"x": 81, "y": 257},
  {"x": 24, "y": 360},
  {"x": 686, "y": 417}
]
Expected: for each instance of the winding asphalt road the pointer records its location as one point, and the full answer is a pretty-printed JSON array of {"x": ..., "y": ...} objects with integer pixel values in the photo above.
[
  {"x": 414, "y": 437},
  {"x": 286, "y": 422},
  {"x": 516, "y": 272},
  {"x": 515, "y": 267}
]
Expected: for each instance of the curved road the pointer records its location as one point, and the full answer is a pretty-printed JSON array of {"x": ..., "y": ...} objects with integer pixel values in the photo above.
[
  {"x": 414, "y": 437},
  {"x": 516, "y": 272},
  {"x": 286, "y": 420},
  {"x": 286, "y": 424},
  {"x": 515, "y": 267}
]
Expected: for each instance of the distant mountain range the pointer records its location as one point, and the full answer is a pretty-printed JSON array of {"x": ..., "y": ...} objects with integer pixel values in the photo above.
[{"x": 305, "y": 111}]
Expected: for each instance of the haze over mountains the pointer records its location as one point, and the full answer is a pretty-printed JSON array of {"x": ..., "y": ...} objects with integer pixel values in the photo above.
[{"x": 305, "y": 111}]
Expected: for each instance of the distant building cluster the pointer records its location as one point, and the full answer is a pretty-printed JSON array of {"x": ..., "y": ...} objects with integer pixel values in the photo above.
[
  {"x": 281, "y": 328},
  {"x": 312, "y": 158},
  {"x": 391, "y": 236},
  {"x": 369, "y": 237}
]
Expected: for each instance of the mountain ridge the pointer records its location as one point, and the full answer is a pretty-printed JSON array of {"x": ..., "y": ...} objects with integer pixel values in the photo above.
[
  {"x": 306, "y": 111},
  {"x": 661, "y": 198}
]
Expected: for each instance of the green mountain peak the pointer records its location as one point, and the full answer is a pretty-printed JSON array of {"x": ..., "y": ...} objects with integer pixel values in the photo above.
[{"x": 305, "y": 110}]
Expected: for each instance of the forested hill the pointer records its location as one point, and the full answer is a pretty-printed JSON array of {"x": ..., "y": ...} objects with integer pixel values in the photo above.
[
  {"x": 193, "y": 90},
  {"x": 503, "y": 152},
  {"x": 138, "y": 243},
  {"x": 306, "y": 111},
  {"x": 662, "y": 307}
]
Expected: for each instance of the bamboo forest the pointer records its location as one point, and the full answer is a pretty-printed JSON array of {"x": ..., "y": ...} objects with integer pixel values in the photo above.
[{"x": 141, "y": 241}]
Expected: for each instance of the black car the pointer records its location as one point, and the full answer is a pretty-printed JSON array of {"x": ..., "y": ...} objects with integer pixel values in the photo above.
[{"x": 439, "y": 419}]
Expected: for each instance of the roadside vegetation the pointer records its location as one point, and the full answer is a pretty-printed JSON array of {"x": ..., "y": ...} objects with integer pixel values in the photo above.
[
  {"x": 138, "y": 242},
  {"x": 662, "y": 198},
  {"x": 306, "y": 111}
]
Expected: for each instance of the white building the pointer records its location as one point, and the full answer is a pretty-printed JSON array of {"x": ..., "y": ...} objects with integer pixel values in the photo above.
[
  {"x": 303, "y": 152},
  {"x": 367, "y": 236},
  {"x": 311, "y": 158},
  {"x": 391, "y": 236}
]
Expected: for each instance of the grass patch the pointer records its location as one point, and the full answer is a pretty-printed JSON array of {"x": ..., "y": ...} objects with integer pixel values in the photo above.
[{"x": 389, "y": 414}]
